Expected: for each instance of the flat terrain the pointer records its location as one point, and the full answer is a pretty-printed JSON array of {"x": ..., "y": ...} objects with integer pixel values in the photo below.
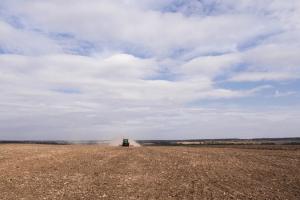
[{"x": 102, "y": 172}]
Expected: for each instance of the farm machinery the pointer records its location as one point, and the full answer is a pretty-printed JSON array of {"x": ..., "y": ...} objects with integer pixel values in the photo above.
[{"x": 125, "y": 143}]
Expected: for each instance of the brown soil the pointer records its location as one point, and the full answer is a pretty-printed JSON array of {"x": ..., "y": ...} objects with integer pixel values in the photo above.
[{"x": 101, "y": 172}]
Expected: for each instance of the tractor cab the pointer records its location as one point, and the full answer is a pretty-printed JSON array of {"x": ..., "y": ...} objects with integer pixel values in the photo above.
[{"x": 125, "y": 143}]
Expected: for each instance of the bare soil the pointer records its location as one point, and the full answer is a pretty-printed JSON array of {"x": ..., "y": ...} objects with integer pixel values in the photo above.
[{"x": 102, "y": 172}]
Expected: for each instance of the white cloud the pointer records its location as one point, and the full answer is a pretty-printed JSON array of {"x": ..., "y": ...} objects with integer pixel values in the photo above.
[
  {"x": 263, "y": 76},
  {"x": 149, "y": 123},
  {"x": 274, "y": 62},
  {"x": 210, "y": 66},
  {"x": 284, "y": 94},
  {"x": 274, "y": 57},
  {"x": 118, "y": 76},
  {"x": 120, "y": 24},
  {"x": 77, "y": 69},
  {"x": 21, "y": 41}
]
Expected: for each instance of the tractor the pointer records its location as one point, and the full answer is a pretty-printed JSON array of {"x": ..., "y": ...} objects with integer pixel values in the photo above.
[{"x": 125, "y": 143}]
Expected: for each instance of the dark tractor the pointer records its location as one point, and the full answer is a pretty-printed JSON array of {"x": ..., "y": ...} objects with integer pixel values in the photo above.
[{"x": 125, "y": 143}]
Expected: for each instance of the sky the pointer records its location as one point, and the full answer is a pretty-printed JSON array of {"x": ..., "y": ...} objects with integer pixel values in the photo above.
[{"x": 169, "y": 69}]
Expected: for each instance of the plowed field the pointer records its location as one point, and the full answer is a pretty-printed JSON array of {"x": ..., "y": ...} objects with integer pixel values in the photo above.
[{"x": 102, "y": 172}]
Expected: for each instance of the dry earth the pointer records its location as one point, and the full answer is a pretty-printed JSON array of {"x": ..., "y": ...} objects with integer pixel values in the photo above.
[{"x": 101, "y": 172}]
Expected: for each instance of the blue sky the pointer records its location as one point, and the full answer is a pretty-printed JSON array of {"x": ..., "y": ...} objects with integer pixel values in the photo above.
[{"x": 149, "y": 69}]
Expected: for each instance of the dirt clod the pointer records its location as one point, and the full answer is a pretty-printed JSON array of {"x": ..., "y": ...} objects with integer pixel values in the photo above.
[{"x": 102, "y": 172}]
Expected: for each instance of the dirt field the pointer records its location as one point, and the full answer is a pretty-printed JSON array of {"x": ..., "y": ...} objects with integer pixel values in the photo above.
[{"x": 99, "y": 172}]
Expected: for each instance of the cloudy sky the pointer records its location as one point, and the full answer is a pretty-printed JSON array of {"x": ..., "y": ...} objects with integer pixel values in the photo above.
[{"x": 169, "y": 69}]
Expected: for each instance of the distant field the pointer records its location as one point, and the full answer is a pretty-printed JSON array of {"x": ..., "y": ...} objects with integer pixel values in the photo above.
[
  {"x": 34, "y": 171},
  {"x": 192, "y": 142}
]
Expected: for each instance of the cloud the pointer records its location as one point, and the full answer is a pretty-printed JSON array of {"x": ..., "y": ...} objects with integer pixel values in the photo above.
[
  {"x": 284, "y": 94},
  {"x": 163, "y": 123},
  {"x": 77, "y": 69},
  {"x": 263, "y": 76},
  {"x": 159, "y": 33},
  {"x": 210, "y": 66},
  {"x": 274, "y": 56},
  {"x": 119, "y": 76},
  {"x": 20, "y": 41},
  {"x": 275, "y": 62}
]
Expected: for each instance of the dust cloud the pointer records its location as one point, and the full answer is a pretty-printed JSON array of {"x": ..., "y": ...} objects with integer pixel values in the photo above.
[{"x": 118, "y": 142}]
